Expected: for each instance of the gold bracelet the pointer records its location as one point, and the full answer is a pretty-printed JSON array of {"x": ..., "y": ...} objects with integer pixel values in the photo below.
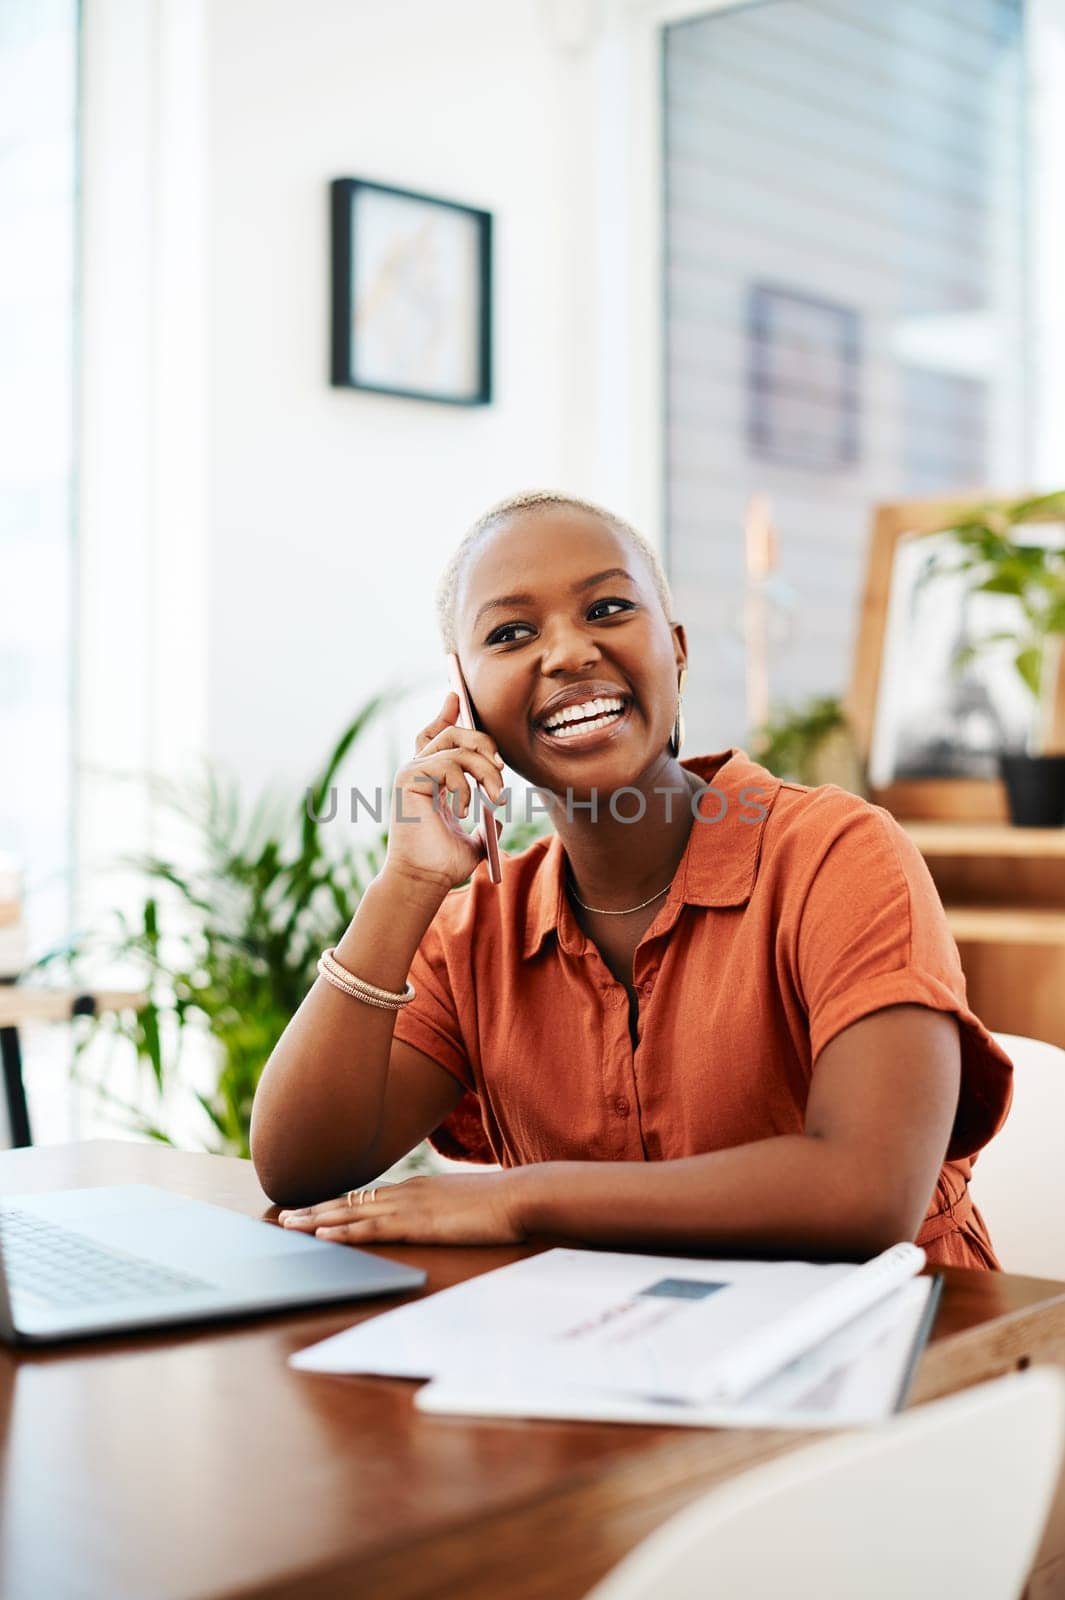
[{"x": 331, "y": 970}]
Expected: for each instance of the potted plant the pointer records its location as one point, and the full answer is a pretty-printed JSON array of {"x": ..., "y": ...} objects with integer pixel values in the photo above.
[
  {"x": 985, "y": 548},
  {"x": 228, "y": 946},
  {"x": 810, "y": 744}
]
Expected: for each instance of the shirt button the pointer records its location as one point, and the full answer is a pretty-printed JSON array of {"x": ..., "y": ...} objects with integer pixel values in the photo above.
[{"x": 621, "y": 1106}]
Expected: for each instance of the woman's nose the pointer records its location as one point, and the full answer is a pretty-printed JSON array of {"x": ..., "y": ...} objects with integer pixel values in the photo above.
[{"x": 568, "y": 649}]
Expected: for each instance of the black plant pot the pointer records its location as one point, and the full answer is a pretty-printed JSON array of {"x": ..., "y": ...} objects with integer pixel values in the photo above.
[{"x": 1035, "y": 788}]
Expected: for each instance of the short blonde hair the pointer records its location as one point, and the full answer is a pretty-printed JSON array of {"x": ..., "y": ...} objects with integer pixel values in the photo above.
[{"x": 537, "y": 500}]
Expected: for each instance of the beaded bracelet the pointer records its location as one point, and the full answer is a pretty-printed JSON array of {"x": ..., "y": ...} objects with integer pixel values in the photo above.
[{"x": 358, "y": 989}]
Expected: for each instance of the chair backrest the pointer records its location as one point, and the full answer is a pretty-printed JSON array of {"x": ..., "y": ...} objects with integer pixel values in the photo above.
[
  {"x": 950, "y": 1498},
  {"x": 1018, "y": 1181}
]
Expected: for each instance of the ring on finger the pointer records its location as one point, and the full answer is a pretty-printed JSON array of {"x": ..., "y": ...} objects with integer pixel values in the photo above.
[{"x": 351, "y": 1197}]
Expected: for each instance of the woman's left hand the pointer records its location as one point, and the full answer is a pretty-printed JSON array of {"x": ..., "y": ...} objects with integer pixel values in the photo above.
[{"x": 444, "y": 1209}]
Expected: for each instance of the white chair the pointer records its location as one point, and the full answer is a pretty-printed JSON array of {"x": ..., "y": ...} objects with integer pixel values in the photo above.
[
  {"x": 948, "y": 1499},
  {"x": 1018, "y": 1181}
]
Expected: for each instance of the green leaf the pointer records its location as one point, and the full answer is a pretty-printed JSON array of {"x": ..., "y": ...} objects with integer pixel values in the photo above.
[
  {"x": 787, "y": 744},
  {"x": 1004, "y": 582},
  {"x": 212, "y": 1114},
  {"x": 150, "y": 1046},
  {"x": 983, "y": 550},
  {"x": 1029, "y": 664},
  {"x": 1040, "y": 505},
  {"x": 309, "y": 829}
]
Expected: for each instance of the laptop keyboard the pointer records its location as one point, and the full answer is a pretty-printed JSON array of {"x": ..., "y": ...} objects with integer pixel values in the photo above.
[{"x": 62, "y": 1269}]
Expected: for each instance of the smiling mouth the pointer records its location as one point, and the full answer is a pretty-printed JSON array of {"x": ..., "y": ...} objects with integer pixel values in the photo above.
[{"x": 579, "y": 723}]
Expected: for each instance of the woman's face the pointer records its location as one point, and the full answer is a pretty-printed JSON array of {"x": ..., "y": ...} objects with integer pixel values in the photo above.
[{"x": 556, "y": 611}]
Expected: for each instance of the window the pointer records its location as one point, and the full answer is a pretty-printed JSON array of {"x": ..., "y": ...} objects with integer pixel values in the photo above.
[
  {"x": 845, "y": 227},
  {"x": 38, "y": 188}
]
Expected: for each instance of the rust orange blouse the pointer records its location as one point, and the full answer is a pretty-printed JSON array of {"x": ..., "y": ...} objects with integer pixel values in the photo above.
[{"x": 793, "y": 913}]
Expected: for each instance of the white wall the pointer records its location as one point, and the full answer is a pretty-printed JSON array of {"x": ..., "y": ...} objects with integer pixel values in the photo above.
[
  {"x": 332, "y": 511},
  {"x": 259, "y": 549}
]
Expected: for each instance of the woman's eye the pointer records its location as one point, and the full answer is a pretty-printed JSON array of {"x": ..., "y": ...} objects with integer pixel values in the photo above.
[
  {"x": 505, "y": 634},
  {"x": 511, "y": 632}
]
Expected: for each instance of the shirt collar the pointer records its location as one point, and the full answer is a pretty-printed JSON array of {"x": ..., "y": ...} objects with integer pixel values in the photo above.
[{"x": 720, "y": 861}]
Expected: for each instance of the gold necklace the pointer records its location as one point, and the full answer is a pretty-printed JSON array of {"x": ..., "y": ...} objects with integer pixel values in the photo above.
[{"x": 601, "y": 912}]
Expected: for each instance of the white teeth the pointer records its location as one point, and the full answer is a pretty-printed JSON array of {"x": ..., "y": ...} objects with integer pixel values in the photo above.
[
  {"x": 560, "y": 731},
  {"x": 591, "y": 708}
]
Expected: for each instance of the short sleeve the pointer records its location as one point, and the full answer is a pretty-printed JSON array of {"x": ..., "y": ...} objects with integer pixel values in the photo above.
[
  {"x": 873, "y": 933},
  {"x": 431, "y": 1022}
]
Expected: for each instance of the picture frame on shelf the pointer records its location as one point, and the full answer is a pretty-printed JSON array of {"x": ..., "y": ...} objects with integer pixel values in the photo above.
[
  {"x": 411, "y": 294},
  {"x": 927, "y": 732}
]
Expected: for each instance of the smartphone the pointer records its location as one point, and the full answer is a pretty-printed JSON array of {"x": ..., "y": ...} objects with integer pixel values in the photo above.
[{"x": 486, "y": 827}]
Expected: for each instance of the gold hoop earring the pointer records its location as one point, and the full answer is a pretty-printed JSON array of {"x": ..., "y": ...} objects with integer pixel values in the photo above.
[{"x": 676, "y": 738}]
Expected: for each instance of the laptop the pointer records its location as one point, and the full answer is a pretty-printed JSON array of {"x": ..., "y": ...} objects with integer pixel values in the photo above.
[{"x": 91, "y": 1261}]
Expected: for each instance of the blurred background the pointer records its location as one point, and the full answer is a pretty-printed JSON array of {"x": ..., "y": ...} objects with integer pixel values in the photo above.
[{"x": 800, "y": 255}]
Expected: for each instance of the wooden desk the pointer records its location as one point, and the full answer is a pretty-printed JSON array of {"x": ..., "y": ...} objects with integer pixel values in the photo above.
[{"x": 197, "y": 1463}]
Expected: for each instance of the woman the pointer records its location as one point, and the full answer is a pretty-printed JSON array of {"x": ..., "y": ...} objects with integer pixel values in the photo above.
[{"x": 714, "y": 1011}]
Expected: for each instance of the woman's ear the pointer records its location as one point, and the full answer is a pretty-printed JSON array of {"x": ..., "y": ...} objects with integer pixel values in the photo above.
[{"x": 680, "y": 644}]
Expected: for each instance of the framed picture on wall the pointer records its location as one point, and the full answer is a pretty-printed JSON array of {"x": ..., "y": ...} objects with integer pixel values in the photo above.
[
  {"x": 412, "y": 289},
  {"x": 803, "y": 357}
]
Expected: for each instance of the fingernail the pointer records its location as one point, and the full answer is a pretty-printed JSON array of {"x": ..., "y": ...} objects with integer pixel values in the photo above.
[
  {"x": 328, "y": 1233},
  {"x": 498, "y": 760}
]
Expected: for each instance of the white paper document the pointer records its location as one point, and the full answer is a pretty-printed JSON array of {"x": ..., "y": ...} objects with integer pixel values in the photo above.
[
  {"x": 651, "y": 1336},
  {"x": 856, "y": 1377}
]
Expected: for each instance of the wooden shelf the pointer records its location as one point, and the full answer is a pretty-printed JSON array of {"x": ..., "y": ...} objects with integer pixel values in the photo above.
[
  {"x": 1004, "y": 893},
  {"x": 1006, "y": 925},
  {"x": 986, "y": 839},
  {"x": 19, "y": 1004}
]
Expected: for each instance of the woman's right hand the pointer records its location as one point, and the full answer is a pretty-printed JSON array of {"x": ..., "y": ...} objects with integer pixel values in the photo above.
[{"x": 426, "y": 841}]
